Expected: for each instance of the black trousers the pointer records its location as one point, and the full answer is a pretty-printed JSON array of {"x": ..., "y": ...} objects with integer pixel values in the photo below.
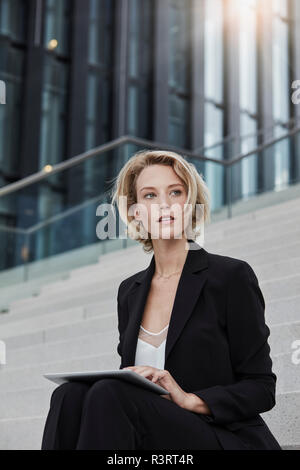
[{"x": 112, "y": 414}]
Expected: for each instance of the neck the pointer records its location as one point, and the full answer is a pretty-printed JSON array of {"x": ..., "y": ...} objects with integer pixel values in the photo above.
[{"x": 170, "y": 255}]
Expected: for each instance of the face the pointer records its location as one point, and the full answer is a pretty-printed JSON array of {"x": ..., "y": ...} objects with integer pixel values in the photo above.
[{"x": 160, "y": 192}]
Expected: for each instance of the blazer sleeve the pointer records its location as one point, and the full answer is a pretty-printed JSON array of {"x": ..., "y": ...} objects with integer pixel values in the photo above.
[
  {"x": 254, "y": 389},
  {"x": 122, "y": 316}
]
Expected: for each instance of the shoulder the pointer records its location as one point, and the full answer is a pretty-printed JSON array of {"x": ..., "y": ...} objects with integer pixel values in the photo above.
[{"x": 228, "y": 266}]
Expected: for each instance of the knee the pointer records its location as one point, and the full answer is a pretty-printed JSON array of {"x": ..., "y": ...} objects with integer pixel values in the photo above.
[
  {"x": 69, "y": 387},
  {"x": 103, "y": 388}
]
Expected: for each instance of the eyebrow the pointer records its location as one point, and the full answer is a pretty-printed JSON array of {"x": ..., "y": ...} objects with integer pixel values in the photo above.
[{"x": 170, "y": 185}]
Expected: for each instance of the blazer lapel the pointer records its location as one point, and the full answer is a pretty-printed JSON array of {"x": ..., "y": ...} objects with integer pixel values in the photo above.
[{"x": 191, "y": 282}]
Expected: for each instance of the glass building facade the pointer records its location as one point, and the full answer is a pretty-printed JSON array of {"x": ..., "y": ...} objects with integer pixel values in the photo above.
[
  {"x": 129, "y": 55},
  {"x": 213, "y": 77}
]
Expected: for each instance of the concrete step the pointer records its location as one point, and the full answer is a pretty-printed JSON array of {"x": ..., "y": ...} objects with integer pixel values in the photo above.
[
  {"x": 105, "y": 341},
  {"x": 282, "y": 287},
  {"x": 122, "y": 255},
  {"x": 27, "y": 289},
  {"x": 53, "y": 320},
  {"x": 264, "y": 255},
  {"x": 16, "y": 378},
  {"x": 252, "y": 250},
  {"x": 44, "y": 324},
  {"x": 12, "y": 379},
  {"x": 253, "y": 246},
  {"x": 264, "y": 214},
  {"x": 253, "y": 222},
  {"x": 274, "y": 289},
  {"x": 216, "y": 232},
  {"x": 282, "y": 336},
  {"x": 101, "y": 273},
  {"x": 240, "y": 224},
  {"x": 22, "y": 433},
  {"x": 283, "y": 420},
  {"x": 92, "y": 318},
  {"x": 273, "y": 270},
  {"x": 95, "y": 293},
  {"x": 283, "y": 309},
  {"x": 270, "y": 236},
  {"x": 68, "y": 290},
  {"x": 66, "y": 331},
  {"x": 280, "y": 340}
]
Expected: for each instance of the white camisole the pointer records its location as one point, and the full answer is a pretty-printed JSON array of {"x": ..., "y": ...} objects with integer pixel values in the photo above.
[{"x": 150, "y": 350}]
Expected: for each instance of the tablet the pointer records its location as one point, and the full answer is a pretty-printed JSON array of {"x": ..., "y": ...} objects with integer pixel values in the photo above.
[{"x": 93, "y": 376}]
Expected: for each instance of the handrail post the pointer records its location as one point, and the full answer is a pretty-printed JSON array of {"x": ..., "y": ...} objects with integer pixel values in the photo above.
[
  {"x": 229, "y": 192},
  {"x": 25, "y": 255}
]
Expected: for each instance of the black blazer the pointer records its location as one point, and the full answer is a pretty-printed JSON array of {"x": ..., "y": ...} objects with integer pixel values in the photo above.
[{"x": 217, "y": 343}]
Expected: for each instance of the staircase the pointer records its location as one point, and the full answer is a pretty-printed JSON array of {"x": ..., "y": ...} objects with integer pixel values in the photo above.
[{"x": 72, "y": 323}]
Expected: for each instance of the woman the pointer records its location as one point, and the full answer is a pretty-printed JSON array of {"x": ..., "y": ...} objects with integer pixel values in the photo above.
[{"x": 192, "y": 321}]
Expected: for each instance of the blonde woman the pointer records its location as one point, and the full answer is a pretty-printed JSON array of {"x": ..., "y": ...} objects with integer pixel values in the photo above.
[{"x": 192, "y": 321}]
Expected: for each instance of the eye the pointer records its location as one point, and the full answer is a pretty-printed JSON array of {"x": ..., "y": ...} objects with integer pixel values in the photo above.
[
  {"x": 173, "y": 191},
  {"x": 177, "y": 191}
]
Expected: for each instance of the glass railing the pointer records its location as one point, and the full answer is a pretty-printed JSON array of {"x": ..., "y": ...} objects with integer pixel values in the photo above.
[{"x": 49, "y": 220}]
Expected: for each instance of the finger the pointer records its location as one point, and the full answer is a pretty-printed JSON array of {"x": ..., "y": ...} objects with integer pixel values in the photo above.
[{"x": 146, "y": 371}]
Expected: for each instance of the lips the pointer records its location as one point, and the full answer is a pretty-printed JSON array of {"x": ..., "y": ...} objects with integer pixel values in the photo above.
[{"x": 165, "y": 217}]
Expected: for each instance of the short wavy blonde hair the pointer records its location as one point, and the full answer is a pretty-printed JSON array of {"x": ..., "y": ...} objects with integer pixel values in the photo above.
[{"x": 125, "y": 185}]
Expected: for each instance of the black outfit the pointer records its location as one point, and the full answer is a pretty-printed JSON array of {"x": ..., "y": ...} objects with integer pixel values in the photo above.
[{"x": 217, "y": 348}]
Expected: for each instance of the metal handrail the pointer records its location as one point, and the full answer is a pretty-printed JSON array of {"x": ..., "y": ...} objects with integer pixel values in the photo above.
[
  {"x": 234, "y": 137},
  {"x": 41, "y": 175}
]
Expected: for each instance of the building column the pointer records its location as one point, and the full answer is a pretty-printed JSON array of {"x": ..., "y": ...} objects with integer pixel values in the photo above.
[
  {"x": 32, "y": 94},
  {"x": 295, "y": 76},
  {"x": 232, "y": 93},
  {"x": 120, "y": 85},
  {"x": 265, "y": 93},
  {"x": 78, "y": 77},
  {"x": 295, "y": 52},
  {"x": 197, "y": 75},
  {"x": 161, "y": 70}
]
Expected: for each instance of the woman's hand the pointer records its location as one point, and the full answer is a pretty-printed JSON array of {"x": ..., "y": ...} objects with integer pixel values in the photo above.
[{"x": 165, "y": 380}]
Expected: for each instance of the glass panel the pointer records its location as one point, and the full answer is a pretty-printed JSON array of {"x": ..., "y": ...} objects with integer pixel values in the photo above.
[
  {"x": 271, "y": 170},
  {"x": 57, "y": 25},
  {"x": 54, "y": 113},
  {"x": 214, "y": 174},
  {"x": 247, "y": 55},
  {"x": 140, "y": 68},
  {"x": 178, "y": 119},
  {"x": 179, "y": 44},
  {"x": 11, "y": 72},
  {"x": 179, "y": 87},
  {"x": 213, "y": 126},
  {"x": 281, "y": 85},
  {"x": 98, "y": 109},
  {"x": 248, "y": 165},
  {"x": 134, "y": 34},
  {"x": 282, "y": 161},
  {"x": 133, "y": 110},
  {"x": 100, "y": 32},
  {"x": 213, "y": 51},
  {"x": 13, "y": 16}
]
